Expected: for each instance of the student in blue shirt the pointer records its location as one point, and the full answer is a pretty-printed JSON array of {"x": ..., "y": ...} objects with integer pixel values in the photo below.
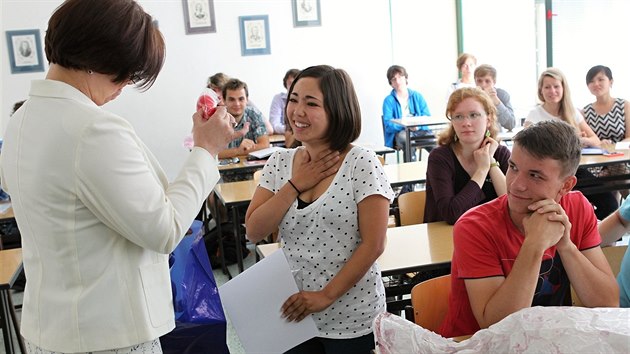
[
  {"x": 611, "y": 229},
  {"x": 402, "y": 102}
]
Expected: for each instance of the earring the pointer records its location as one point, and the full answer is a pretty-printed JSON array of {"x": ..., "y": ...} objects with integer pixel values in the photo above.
[
  {"x": 90, "y": 72},
  {"x": 455, "y": 137}
]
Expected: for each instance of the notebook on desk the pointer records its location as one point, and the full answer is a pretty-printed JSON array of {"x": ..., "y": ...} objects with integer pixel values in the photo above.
[
  {"x": 592, "y": 151},
  {"x": 264, "y": 153}
]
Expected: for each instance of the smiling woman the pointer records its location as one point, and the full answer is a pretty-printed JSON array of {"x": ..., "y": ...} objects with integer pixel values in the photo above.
[{"x": 330, "y": 201}]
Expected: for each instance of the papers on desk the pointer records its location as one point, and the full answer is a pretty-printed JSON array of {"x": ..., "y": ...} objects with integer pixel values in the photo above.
[
  {"x": 264, "y": 153},
  {"x": 252, "y": 301},
  {"x": 592, "y": 151},
  {"x": 622, "y": 145}
]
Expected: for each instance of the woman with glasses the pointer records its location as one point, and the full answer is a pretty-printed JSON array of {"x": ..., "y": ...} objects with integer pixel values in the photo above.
[{"x": 468, "y": 166}]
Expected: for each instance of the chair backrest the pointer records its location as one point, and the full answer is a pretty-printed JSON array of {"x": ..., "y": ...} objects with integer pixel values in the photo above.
[
  {"x": 614, "y": 255},
  {"x": 430, "y": 302},
  {"x": 411, "y": 207}
]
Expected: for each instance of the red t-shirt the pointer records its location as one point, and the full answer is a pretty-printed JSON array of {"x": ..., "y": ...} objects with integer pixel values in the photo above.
[{"x": 486, "y": 243}]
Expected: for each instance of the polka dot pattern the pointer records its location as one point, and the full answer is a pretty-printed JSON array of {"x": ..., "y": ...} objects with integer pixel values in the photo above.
[{"x": 320, "y": 238}]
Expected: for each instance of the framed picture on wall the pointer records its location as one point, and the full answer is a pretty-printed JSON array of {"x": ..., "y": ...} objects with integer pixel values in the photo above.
[
  {"x": 306, "y": 13},
  {"x": 199, "y": 16},
  {"x": 254, "y": 35},
  {"x": 25, "y": 51}
]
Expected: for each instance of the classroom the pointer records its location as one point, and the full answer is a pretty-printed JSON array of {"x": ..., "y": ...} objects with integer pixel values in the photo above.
[{"x": 520, "y": 38}]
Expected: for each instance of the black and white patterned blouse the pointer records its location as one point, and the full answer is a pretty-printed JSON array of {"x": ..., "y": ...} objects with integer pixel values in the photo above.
[
  {"x": 320, "y": 238},
  {"x": 610, "y": 126}
]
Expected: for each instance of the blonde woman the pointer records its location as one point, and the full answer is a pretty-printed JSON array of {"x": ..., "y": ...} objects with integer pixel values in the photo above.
[
  {"x": 466, "y": 64},
  {"x": 468, "y": 167},
  {"x": 556, "y": 104}
]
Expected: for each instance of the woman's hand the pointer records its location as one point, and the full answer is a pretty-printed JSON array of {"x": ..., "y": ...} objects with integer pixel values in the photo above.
[
  {"x": 483, "y": 155},
  {"x": 304, "y": 303},
  {"x": 310, "y": 171},
  {"x": 215, "y": 133}
]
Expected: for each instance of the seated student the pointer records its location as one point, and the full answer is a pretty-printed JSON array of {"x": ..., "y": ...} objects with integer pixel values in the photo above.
[
  {"x": 235, "y": 94},
  {"x": 486, "y": 79},
  {"x": 553, "y": 92},
  {"x": 402, "y": 102},
  {"x": 524, "y": 248},
  {"x": 607, "y": 115},
  {"x": 466, "y": 64},
  {"x": 613, "y": 228},
  {"x": 468, "y": 166},
  {"x": 216, "y": 83},
  {"x": 279, "y": 101}
]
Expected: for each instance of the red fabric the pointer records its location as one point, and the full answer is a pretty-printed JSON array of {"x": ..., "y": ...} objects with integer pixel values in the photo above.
[
  {"x": 208, "y": 104},
  {"x": 486, "y": 243}
]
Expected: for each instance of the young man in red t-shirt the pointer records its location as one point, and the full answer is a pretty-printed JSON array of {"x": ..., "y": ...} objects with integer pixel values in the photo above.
[{"x": 524, "y": 248}]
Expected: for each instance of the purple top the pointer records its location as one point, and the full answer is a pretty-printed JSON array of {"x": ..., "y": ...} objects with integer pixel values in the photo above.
[{"x": 450, "y": 192}]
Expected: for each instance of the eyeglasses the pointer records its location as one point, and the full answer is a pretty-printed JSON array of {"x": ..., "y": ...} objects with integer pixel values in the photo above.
[{"x": 471, "y": 116}]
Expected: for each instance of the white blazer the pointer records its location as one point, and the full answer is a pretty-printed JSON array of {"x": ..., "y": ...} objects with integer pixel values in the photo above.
[{"x": 98, "y": 219}]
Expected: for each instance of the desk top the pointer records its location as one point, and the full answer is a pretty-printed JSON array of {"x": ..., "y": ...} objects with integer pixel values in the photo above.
[
  {"x": 603, "y": 160},
  {"x": 407, "y": 172},
  {"x": 235, "y": 193},
  {"x": 10, "y": 267},
  {"x": 409, "y": 122},
  {"x": 276, "y": 138},
  {"x": 378, "y": 149},
  {"x": 408, "y": 248},
  {"x": 243, "y": 165}
]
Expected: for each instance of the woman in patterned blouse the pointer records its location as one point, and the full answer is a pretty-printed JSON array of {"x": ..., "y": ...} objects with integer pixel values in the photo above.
[{"x": 607, "y": 115}]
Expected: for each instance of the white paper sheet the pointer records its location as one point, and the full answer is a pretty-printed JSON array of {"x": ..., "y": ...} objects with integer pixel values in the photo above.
[
  {"x": 622, "y": 145},
  {"x": 252, "y": 300}
]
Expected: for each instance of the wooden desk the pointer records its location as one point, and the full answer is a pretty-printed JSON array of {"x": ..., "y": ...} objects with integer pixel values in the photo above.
[
  {"x": 409, "y": 123},
  {"x": 406, "y": 173},
  {"x": 10, "y": 269},
  {"x": 232, "y": 195},
  {"x": 409, "y": 248},
  {"x": 276, "y": 140},
  {"x": 603, "y": 183},
  {"x": 243, "y": 166},
  {"x": 378, "y": 149}
]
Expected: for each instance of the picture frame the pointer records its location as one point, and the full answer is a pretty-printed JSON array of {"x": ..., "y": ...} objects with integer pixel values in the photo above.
[
  {"x": 199, "y": 16},
  {"x": 25, "y": 51},
  {"x": 254, "y": 35},
  {"x": 306, "y": 13}
]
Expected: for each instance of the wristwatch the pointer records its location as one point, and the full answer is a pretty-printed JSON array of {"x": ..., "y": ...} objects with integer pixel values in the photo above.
[{"x": 495, "y": 163}]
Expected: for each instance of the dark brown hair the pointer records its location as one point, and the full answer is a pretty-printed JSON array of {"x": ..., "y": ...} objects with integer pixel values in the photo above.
[
  {"x": 234, "y": 84},
  {"x": 111, "y": 37},
  {"x": 552, "y": 139},
  {"x": 340, "y": 103},
  {"x": 290, "y": 73},
  {"x": 396, "y": 69}
]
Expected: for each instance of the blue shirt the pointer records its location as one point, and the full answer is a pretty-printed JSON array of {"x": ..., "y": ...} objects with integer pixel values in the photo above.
[{"x": 393, "y": 110}]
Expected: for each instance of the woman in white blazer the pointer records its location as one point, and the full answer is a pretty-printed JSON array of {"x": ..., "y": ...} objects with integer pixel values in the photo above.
[{"x": 97, "y": 215}]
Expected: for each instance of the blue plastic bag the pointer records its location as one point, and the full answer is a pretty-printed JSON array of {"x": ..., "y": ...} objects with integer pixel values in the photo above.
[{"x": 200, "y": 320}]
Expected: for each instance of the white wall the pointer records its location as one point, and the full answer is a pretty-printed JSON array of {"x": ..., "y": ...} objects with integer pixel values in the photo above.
[{"x": 353, "y": 36}]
